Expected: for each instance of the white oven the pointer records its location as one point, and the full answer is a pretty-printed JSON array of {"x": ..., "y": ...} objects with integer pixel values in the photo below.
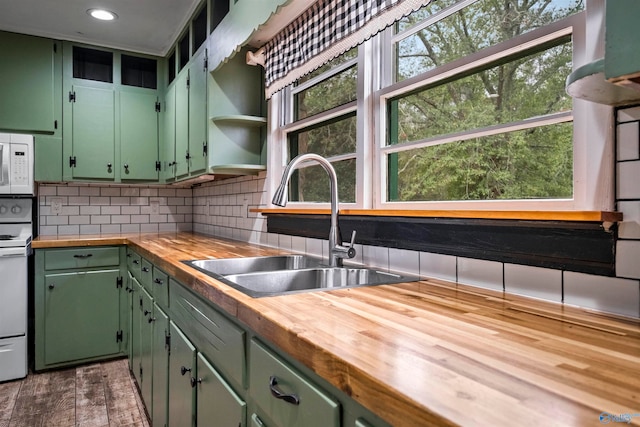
[
  {"x": 16, "y": 231},
  {"x": 16, "y": 164}
]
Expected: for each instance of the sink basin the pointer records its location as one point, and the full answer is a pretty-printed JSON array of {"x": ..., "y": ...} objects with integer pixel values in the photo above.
[
  {"x": 226, "y": 266},
  {"x": 281, "y": 282},
  {"x": 285, "y": 274}
]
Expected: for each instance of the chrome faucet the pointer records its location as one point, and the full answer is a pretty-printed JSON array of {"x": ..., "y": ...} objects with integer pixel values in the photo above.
[{"x": 337, "y": 252}]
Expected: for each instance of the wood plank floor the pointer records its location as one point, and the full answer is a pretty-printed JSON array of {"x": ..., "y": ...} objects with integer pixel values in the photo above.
[{"x": 95, "y": 395}]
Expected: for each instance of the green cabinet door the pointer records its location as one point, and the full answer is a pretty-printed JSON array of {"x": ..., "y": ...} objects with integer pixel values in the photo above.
[
  {"x": 160, "y": 394},
  {"x": 198, "y": 119},
  {"x": 138, "y": 136},
  {"x": 146, "y": 348},
  {"x": 27, "y": 83},
  {"x": 182, "y": 123},
  {"x": 217, "y": 404},
  {"x": 182, "y": 368},
  {"x": 136, "y": 338},
  {"x": 81, "y": 315},
  {"x": 169, "y": 140},
  {"x": 48, "y": 158},
  {"x": 93, "y": 132}
]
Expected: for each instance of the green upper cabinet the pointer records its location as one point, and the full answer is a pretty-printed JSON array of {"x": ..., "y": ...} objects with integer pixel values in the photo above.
[
  {"x": 139, "y": 114},
  {"x": 198, "y": 75},
  {"x": 237, "y": 132},
  {"x": 182, "y": 124},
  {"x": 111, "y": 117},
  {"x": 622, "y": 35},
  {"x": 91, "y": 131},
  {"x": 168, "y": 157},
  {"x": 28, "y": 87}
]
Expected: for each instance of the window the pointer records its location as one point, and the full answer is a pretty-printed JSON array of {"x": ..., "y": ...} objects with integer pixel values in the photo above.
[
  {"x": 467, "y": 103},
  {"x": 323, "y": 120}
]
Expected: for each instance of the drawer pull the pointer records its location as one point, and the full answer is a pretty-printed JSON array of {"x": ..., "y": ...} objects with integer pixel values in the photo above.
[
  {"x": 83, "y": 256},
  {"x": 184, "y": 370},
  {"x": 159, "y": 281},
  {"x": 290, "y": 398}
]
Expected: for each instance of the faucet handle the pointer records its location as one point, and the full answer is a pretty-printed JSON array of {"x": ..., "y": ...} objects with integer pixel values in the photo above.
[{"x": 351, "y": 251}]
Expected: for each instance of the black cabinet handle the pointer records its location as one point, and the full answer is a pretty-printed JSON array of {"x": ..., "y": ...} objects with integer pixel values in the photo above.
[
  {"x": 158, "y": 281},
  {"x": 145, "y": 269},
  {"x": 146, "y": 312},
  {"x": 83, "y": 256},
  {"x": 195, "y": 382},
  {"x": 184, "y": 370},
  {"x": 289, "y": 398}
]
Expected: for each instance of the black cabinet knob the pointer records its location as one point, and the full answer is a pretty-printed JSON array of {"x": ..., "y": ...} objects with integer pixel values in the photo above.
[
  {"x": 51, "y": 286},
  {"x": 195, "y": 382},
  {"x": 184, "y": 370}
]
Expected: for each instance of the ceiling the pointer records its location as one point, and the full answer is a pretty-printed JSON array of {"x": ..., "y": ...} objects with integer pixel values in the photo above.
[{"x": 143, "y": 26}]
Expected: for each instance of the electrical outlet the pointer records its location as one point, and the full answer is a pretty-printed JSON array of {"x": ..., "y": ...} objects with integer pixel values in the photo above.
[
  {"x": 155, "y": 206},
  {"x": 56, "y": 205}
]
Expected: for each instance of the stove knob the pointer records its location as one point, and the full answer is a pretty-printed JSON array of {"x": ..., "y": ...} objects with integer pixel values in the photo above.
[
  {"x": 3, "y": 209},
  {"x": 16, "y": 209}
]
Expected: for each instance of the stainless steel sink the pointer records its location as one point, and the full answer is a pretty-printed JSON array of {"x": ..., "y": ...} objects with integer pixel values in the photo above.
[
  {"x": 226, "y": 266},
  {"x": 281, "y": 282},
  {"x": 284, "y": 274}
]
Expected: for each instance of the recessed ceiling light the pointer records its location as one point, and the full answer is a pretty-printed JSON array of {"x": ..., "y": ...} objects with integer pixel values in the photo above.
[{"x": 101, "y": 14}]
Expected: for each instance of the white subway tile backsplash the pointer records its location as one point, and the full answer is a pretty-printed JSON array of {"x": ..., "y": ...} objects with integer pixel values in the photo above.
[
  {"x": 110, "y": 228},
  {"x": 80, "y": 219},
  {"x": 69, "y": 229},
  {"x": 110, "y": 210},
  {"x": 315, "y": 247},
  {"x": 90, "y": 210},
  {"x": 614, "y": 295},
  {"x": 543, "y": 283},
  {"x": 99, "y": 200},
  {"x": 629, "y": 228},
  {"x": 482, "y": 273},
  {"x": 89, "y": 229},
  {"x": 110, "y": 191},
  {"x": 629, "y": 141},
  {"x": 628, "y": 179},
  {"x": 404, "y": 261},
  {"x": 628, "y": 259},
  {"x": 68, "y": 191},
  {"x": 298, "y": 244},
  {"x": 89, "y": 191},
  {"x": 44, "y": 191},
  {"x": 376, "y": 256},
  {"x": 438, "y": 266}
]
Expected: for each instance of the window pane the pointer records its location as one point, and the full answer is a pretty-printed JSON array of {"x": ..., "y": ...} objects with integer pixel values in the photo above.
[
  {"x": 477, "y": 26},
  {"x": 329, "y": 139},
  {"x": 528, "y": 87},
  {"x": 335, "y": 91},
  {"x": 311, "y": 184},
  {"x": 529, "y": 164}
]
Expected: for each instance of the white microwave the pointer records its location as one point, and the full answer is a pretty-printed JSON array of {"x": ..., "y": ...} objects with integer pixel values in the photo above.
[{"x": 16, "y": 164}]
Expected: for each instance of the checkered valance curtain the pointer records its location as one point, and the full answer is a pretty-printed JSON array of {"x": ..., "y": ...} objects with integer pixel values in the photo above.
[{"x": 325, "y": 30}]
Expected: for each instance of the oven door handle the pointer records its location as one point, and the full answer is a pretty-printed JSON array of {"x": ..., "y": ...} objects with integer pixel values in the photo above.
[{"x": 13, "y": 252}]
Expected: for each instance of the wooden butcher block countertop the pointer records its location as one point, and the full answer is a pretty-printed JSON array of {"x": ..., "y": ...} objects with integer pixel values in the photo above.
[{"x": 429, "y": 352}]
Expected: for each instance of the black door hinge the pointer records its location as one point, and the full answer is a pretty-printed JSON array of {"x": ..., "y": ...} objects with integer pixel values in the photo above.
[
  {"x": 72, "y": 161},
  {"x": 158, "y": 165},
  {"x": 188, "y": 156},
  {"x": 157, "y": 106},
  {"x": 72, "y": 97},
  {"x": 206, "y": 63},
  {"x": 167, "y": 341},
  {"x": 55, "y": 124},
  {"x": 119, "y": 336},
  {"x": 188, "y": 81},
  {"x": 119, "y": 282},
  {"x": 205, "y": 148},
  {"x": 55, "y": 48}
]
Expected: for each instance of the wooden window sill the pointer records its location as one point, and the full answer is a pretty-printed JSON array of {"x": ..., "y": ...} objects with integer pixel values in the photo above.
[{"x": 587, "y": 216}]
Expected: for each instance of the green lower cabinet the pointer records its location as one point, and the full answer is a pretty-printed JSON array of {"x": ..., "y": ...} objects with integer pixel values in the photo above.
[
  {"x": 182, "y": 371},
  {"x": 160, "y": 393},
  {"x": 79, "y": 316},
  {"x": 283, "y": 397},
  {"x": 217, "y": 404},
  {"x": 146, "y": 348},
  {"x": 136, "y": 317}
]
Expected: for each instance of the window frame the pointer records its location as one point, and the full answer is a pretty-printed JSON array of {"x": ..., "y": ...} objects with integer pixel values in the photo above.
[{"x": 375, "y": 86}]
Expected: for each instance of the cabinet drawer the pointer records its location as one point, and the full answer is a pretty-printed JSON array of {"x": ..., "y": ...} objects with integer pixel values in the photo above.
[
  {"x": 220, "y": 340},
  {"x": 160, "y": 285},
  {"x": 270, "y": 376},
  {"x": 81, "y": 258}
]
